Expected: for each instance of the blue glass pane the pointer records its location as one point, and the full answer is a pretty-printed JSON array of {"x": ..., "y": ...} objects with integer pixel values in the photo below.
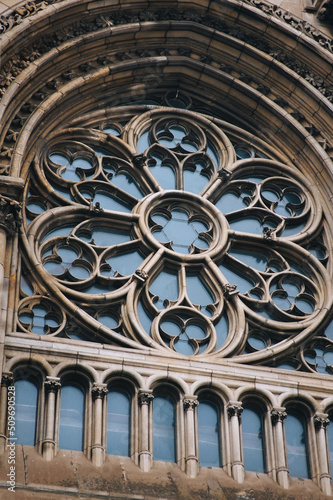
[
  {"x": 59, "y": 231},
  {"x": 163, "y": 429},
  {"x": 59, "y": 159},
  {"x": 222, "y": 328},
  {"x": 304, "y": 306},
  {"x": 108, "y": 321},
  {"x": 198, "y": 293},
  {"x": 183, "y": 346},
  {"x": 252, "y": 441},
  {"x": 243, "y": 152},
  {"x": 248, "y": 225},
  {"x": 257, "y": 343},
  {"x": 243, "y": 283},
  {"x": 25, "y": 286},
  {"x": 26, "y": 394},
  {"x": 143, "y": 142},
  {"x": 290, "y": 230},
  {"x": 144, "y": 319},
  {"x": 195, "y": 181},
  {"x": 35, "y": 208},
  {"x": 163, "y": 173},
  {"x": 178, "y": 137},
  {"x": 230, "y": 202},
  {"x": 118, "y": 424},
  {"x": 165, "y": 287},
  {"x": 108, "y": 201},
  {"x": 111, "y": 129},
  {"x": 212, "y": 153},
  {"x": 181, "y": 232},
  {"x": 71, "y": 418},
  {"x": 250, "y": 258},
  {"x": 125, "y": 182},
  {"x": 106, "y": 237},
  {"x": 209, "y": 446},
  {"x": 63, "y": 191},
  {"x": 296, "y": 447},
  {"x": 124, "y": 263}
]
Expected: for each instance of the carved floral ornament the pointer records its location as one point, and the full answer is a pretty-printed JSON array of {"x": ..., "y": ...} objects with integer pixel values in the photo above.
[{"x": 167, "y": 253}]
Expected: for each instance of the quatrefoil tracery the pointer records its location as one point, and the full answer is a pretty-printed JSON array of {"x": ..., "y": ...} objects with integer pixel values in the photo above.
[{"x": 166, "y": 237}]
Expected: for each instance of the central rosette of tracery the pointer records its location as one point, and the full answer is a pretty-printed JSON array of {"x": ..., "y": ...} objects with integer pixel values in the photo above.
[
  {"x": 182, "y": 223},
  {"x": 165, "y": 232}
]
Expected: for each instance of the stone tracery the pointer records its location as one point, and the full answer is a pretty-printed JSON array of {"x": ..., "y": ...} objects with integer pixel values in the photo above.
[{"x": 99, "y": 221}]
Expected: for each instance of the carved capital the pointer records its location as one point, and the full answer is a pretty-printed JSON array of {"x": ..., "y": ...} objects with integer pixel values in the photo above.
[
  {"x": 141, "y": 275},
  {"x": 321, "y": 420},
  {"x": 52, "y": 384},
  {"x": 229, "y": 290},
  {"x": 278, "y": 415},
  {"x": 99, "y": 391},
  {"x": 7, "y": 379},
  {"x": 145, "y": 397},
  {"x": 190, "y": 403},
  {"x": 139, "y": 160},
  {"x": 234, "y": 409},
  {"x": 10, "y": 214},
  {"x": 224, "y": 174}
]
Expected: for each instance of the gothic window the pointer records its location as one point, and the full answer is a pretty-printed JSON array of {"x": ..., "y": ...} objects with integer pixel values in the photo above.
[
  {"x": 164, "y": 428},
  {"x": 118, "y": 423},
  {"x": 297, "y": 445},
  {"x": 26, "y": 394},
  {"x": 71, "y": 417},
  {"x": 209, "y": 434},
  {"x": 253, "y": 440},
  {"x": 166, "y": 231}
]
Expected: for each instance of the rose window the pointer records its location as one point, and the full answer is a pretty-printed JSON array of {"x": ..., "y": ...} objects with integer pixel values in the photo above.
[{"x": 158, "y": 233}]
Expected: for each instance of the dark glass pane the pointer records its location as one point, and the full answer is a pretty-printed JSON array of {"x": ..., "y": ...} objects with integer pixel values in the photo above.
[
  {"x": 118, "y": 424},
  {"x": 208, "y": 424},
  {"x": 164, "y": 429},
  {"x": 26, "y": 394},
  {"x": 296, "y": 447},
  {"x": 252, "y": 441},
  {"x": 71, "y": 418}
]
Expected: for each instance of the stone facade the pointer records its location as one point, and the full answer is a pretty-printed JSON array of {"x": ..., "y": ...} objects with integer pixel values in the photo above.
[{"x": 115, "y": 276}]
